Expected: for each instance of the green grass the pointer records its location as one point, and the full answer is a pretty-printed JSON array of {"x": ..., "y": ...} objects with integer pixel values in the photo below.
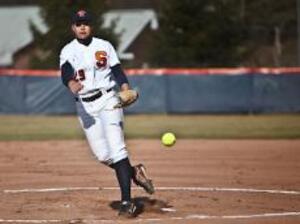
[
  {"x": 283, "y": 126},
  {"x": 215, "y": 126},
  {"x": 39, "y": 127}
]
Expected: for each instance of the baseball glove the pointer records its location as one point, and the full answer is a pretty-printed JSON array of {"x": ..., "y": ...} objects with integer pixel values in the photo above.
[{"x": 126, "y": 98}]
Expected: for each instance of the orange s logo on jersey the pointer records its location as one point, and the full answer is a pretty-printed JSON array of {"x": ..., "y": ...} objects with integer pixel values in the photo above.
[{"x": 101, "y": 57}]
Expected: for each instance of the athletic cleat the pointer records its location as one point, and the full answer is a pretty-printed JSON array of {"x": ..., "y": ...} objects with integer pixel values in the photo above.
[
  {"x": 127, "y": 209},
  {"x": 141, "y": 179}
]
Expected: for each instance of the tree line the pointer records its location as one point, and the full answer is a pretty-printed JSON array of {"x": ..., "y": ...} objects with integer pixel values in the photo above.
[{"x": 192, "y": 33}]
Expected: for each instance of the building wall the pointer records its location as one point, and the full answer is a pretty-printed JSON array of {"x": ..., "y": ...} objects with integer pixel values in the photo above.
[{"x": 142, "y": 48}]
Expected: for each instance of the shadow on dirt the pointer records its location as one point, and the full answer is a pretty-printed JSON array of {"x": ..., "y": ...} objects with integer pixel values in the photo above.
[{"x": 145, "y": 204}]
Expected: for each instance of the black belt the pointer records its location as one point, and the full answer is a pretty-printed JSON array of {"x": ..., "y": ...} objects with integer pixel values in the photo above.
[{"x": 93, "y": 97}]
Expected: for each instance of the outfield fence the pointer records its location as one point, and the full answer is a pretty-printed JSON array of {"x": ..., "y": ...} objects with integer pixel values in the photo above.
[{"x": 224, "y": 90}]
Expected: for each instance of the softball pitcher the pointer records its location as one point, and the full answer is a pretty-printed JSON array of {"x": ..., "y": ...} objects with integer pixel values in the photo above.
[{"x": 90, "y": 68}]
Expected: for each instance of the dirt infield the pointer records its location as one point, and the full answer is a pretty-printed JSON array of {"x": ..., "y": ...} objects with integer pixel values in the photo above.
[{"x": 198, "y": 181}]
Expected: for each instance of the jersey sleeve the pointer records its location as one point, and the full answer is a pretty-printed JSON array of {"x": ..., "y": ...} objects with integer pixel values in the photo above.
[
  {"x": 119, "y": 74},
  {"x": 113, "y": 57},
  {"x": 67, "y": 70},
  {"x": 64, "y": 56}
]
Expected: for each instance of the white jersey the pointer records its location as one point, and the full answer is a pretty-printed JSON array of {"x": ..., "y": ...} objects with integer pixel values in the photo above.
[
  {"x": 91, "y": 64},
  {"x": 101, "y": 122}
]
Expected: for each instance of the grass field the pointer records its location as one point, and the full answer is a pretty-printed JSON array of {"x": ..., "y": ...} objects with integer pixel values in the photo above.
[{"x": 284, "y": 126}]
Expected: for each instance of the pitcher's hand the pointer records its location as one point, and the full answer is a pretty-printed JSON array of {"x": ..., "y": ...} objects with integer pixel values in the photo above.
[{"x": 75, "y": 86}]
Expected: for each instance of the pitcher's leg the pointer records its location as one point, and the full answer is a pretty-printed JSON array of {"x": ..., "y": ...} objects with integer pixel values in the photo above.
[
  {"x": 94, "y": 132},
  {"x": 124, "y": 174},
  {"x": 113, "y": 120},
  {"x": 113, "y": 127}
]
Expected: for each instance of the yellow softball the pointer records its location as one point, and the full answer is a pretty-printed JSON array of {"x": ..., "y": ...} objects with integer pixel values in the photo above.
[{"x": 168, "y": 139}]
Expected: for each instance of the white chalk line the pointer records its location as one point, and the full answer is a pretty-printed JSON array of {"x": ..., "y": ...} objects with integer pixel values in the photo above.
[
  {"x": 203, "y": 189},
  {"x": 196, "y": 216},
  {"x": 138, "y": 220}
]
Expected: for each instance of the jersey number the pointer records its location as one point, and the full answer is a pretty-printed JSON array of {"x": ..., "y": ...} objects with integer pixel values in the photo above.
[
  {"x": 101, "y": 57},
  {"x": 80, "y": 75}
]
